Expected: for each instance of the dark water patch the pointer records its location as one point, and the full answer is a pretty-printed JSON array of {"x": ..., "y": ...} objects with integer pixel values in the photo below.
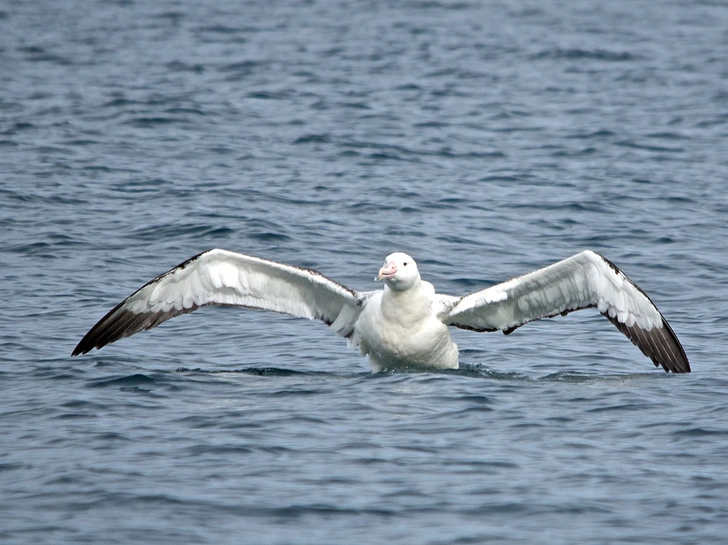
[
  {"x": 274, "y": 372},
  {"x": 468, "y": 285},
  {"x": 681, "y": 200},
  {"x": 583, "y": 54},
  {"x": 269, "y": 237},
  {"x": 696, "y": 432},
  {"x": 296, "y": 392},
  {"x": 79, "y": 404},
  {"x": 241, "y": 68},
  {"x": 355, "y": 105},
  {"x": 35, "y": 249},
  {"x": 18, "y": 127},
  {"x": 152, "y": 122},
  {"x": 576, "y": 377},
  {"x": 301, "y": 511},
  {"x": 187, "y": 111},
  {"x": 177, "y": 66},
  {"x": 668, "y": 136},
  {"x": 75, "y": 416},
  {"x": 11, "y": 467},
  {"x": 313, "y": 139},
  {"x": 576, "y": 207},
  {"x": 110, "y": 439},
  {"x": 82, "y": 143},
  {"x": 201, "y": 231},
  {"x": 174, "y": 16},
  {"x": 431, "y": 125},
  {"x": 259, "y": 371},
  {"x": 225, "y": 29},
  {"x": 153, "y": 185},
  {"x": 382, "y": 150},
  {"x": 222, "y": 150},
  {"x": 433, "y": 5},
  {"x": 646, "y": 147},
  {"x": 720, "y": 119},
  {"x": 449, "y": 153},
  {"x": 448, "y": 202},
  {"x": 480, "y": 371},
  {"x": 136, "y": 381},
  {"x": 270, "y": 95},
  {"x": 508, "y": 508},
  {"x": 501, "y": 179},
  {"x": 622, "y": 407},
  {"x": 221, "y": 450},
  {"x": 572, "y": 153},
  {"x": 53, "y": 151},
  {"x": 384, "y": 156},
  {"x": 39, "y": 54},
  {"x": 121, "y": 102},
  {"x": 475, "y": 399}
]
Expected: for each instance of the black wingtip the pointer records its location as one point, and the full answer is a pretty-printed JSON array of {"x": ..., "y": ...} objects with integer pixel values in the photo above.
[
  {"x": 81, "y": 348},
  {"x": 84, "y": 346},
  {"x": 660, "y": 344}
]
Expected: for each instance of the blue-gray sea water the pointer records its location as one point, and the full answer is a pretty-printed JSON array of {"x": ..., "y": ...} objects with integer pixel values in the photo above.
[{"x": 487, "y": 139}]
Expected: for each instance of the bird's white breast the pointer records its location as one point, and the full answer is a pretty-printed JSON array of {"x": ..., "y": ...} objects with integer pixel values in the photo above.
[{"x": 401, "y": 330}]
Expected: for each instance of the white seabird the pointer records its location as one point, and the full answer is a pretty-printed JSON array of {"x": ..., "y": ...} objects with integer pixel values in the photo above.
[{"x": 404, "y": 325}]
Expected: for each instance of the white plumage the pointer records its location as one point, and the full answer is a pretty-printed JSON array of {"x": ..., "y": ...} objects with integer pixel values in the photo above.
[{"x": 405, "y": 325}]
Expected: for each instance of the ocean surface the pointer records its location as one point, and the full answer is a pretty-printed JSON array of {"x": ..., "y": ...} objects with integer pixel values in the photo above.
[{"x": 486, "y": 139}]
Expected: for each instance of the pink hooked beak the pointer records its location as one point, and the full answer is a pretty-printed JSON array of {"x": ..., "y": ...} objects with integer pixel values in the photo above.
[{"x": 388, "y": 271}]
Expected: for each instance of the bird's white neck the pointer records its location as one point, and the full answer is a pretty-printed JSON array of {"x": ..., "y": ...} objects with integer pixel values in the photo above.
[{"x": 407, "y": 306}]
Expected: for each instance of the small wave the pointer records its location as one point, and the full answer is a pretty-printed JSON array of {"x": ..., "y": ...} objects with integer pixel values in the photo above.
[
  {"x": 271, "y": 372},
  {"x": 152, "y": 121},
  {"x": 260, "y": 371},
  {"x": 179, "y": 66},
  {"x": 699, "y": 432},
  {"x": 136, "y": 381},
  {"x": 313, "y": 139},
  {"x": 577, "y": 377},
  {"x": 479, "y": 370},
  {"x": 222, "y": 29},
  {"x": 39, "y": 54},
  {"x": 579, "y": 54},
  {"x": 203, "y": 231},
  {"x": 18, "y": 127},
  {"x": 265, "y": 95},
  {"x": 646, "y": 147}
]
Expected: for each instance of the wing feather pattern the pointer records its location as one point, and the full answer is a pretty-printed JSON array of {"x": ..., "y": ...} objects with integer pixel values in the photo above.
[
  {"x": 220, "y": 277},
  {"x": 582, "y": 281}
]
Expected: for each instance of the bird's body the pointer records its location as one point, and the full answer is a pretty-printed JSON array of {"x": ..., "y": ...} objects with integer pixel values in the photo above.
[
  {"x": 404, "y": 325},
  {"x": 400, "y": 330}
]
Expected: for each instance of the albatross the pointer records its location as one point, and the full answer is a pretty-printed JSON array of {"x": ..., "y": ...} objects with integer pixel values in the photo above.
[{"x": 405, "y": 324}]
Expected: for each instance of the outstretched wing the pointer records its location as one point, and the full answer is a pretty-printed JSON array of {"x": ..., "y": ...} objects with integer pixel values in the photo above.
[
  {"x": 581, "y": 281},
  {"x": 219, "y": 277}
]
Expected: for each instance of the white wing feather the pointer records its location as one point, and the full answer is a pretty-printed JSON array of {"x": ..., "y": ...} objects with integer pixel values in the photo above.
[
  {"x": 220, "y": 277},
  {"x": 584, "y": 280}
]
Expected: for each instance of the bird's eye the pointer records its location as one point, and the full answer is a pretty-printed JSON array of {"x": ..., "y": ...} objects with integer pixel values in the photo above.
[{"x": 405, "y": 263}]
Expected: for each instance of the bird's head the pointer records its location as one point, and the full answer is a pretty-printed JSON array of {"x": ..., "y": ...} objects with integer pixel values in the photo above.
[{"x": 399, "y": 272}]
